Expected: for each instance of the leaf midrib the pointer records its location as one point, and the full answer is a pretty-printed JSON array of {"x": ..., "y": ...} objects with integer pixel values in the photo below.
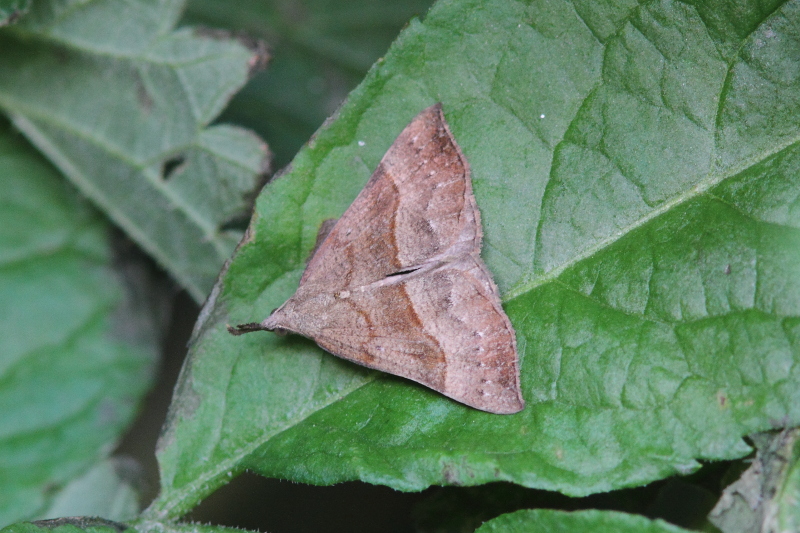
[
  {"x": 699, "y": 189},
  {"x": 25, "y": 112},
  {"x": 68, "y": 168}
]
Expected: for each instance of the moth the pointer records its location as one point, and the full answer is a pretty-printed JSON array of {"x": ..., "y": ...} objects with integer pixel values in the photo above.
[{"x": 398, "y": 283}]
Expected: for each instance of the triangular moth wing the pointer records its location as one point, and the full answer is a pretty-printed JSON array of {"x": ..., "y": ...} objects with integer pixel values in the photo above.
[{"x": 398, "y": 283}]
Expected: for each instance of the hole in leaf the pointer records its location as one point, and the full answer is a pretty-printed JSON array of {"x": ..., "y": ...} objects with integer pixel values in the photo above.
[{"x": 171, "y": 166}]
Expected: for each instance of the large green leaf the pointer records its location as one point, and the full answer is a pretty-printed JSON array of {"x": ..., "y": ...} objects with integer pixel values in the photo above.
[
  {"x": 545, "y": 520},
  {"x": 121, "y": 103},
  {"x": 637, "y": 175},
  {"x": 76, "y": 353}
]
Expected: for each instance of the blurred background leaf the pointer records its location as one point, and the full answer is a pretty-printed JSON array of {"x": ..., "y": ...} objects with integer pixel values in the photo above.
[
  {"x": 120, "y": 103},
  {"x": 12, "y": 10},
  {"x": 77, "y": 344},
  {"x": 766, "y": 496},
  {"x": 110, "y": 489},
  {"x": 100, "y": 525},
  {"x": 69, "y": 525}
]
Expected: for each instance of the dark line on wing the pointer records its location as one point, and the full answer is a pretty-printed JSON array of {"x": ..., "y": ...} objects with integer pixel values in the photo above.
[{"x": 404, "y": 271}]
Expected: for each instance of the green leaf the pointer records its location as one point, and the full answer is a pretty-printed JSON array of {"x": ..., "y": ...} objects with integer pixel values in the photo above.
[
  {"x": 545, "y": 520},
  {"x": 69, "y": 525},
  {"x": 100, "y": 525},
  {"x": 637, "y": 175},
  {"x": 109, "y": 489},
  {"x": 765, "y": 497},
  {"x": 11, "y": 10},
  {"x": 75, "y": 355},
  {"x": 121, "y": 104},
  {"x": 321, "y": 50}
]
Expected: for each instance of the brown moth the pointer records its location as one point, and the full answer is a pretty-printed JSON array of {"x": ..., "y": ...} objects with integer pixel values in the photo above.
[{"x": 398, "y": 283}]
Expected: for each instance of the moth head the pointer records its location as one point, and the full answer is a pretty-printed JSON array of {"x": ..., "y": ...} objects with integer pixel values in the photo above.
[{"x": 276, "y": 321}]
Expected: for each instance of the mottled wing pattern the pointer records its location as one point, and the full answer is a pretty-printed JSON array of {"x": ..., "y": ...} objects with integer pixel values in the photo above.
[
  {"x": 460, "y": 307},
  {"x": 445, "y": 329},
  {"x": 398, "y": 283},
  {"x": 415, "y": 206}
]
